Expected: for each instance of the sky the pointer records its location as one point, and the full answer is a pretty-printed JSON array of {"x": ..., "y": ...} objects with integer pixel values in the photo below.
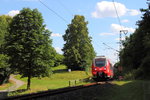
[{"x": 103, "y": 24}]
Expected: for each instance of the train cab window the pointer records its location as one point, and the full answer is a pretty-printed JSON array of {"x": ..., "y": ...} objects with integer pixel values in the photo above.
[{"x": 100, "y": 62}]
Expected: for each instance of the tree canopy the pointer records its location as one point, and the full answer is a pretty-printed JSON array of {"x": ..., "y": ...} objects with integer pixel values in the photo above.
[
  {"x": 29, "y": 46},
  {"x": 78, "y": 50},
  {"x": 136, "y": 52},
  {"x": 4, "y": 65}
]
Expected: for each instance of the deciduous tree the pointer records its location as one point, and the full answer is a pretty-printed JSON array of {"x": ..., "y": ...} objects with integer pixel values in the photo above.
[
  {"x": 136, "y": 52},
  {"x": 4, "y": 31},
  {"x": 29, "y": 45},
  {"x": 78, "y": 50}
]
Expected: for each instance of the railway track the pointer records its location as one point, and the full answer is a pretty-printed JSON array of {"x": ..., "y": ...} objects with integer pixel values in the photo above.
[{"x": 37, "y": 96}]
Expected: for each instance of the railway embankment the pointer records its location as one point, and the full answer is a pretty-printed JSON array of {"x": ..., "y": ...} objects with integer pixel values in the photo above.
[
  {"x": 116, "y": 90},
  {"x": 87, "y": 92}
]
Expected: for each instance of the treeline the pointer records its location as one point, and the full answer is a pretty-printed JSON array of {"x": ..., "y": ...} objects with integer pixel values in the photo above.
[
  {"x": 135, "y": 56},
  {"x": 26, "y": 46}
]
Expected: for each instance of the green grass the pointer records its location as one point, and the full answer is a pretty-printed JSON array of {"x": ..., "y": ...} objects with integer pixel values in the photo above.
[
  {"x": 6, "y": 85},
  {"x": 59, "y": 79},
  {"x": 119, "y": 90},
  {"x": 120, "y": 83},
  {"x": 59, "y": 67},
  {"x": 126, "y": 90}
]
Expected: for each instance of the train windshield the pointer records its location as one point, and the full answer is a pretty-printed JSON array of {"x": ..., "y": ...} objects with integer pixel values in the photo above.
[{"x": 100, "y": 62}]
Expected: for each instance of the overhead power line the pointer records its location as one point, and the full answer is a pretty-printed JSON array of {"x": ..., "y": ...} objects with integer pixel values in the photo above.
[
  {"x": 65, "y": 7},
  {"x": 110, "y": 47},
  {"x": 53, "y": 11},
  {"x": 122, "y": 30},
  {"x": 117, "y": 13}
]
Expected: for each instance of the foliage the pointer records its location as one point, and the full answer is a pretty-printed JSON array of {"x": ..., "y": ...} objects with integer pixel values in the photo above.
[
  {"x": 78, "y": 50},
  {"x": 4, "y": 31},
  {"x": 29, "y": 46},
  {"x": 5, "y": 70},
  {"x": 136, "y": 52},
  {"x": 4, "y": 26},
  {"x": 133, "y": 74},
  {"x": 4, "y": 61},
  {"x": 58, "y": 59}
]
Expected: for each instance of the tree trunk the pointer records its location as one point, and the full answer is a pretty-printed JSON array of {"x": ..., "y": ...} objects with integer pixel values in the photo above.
[{"x": 29, "y": 81}]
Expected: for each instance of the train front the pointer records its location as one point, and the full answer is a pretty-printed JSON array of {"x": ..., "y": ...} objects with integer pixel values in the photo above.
[{"x": 99, "y": 68}]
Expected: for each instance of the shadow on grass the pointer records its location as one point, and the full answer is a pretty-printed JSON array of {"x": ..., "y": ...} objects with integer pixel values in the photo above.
[
  {"x": 4, "y": 95},
  {"x": 60, "y": 71},
  {"x": 119, "y": 90},
  {"x": 132, "y": 90}
]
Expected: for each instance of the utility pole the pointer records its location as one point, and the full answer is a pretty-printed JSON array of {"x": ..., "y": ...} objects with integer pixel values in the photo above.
[
  {"x": 120, "y": 37},
  {"x": 120, "y": 68}
]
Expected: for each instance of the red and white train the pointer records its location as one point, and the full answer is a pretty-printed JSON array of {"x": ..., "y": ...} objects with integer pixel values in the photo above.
[{"x": 102, "y": 68}]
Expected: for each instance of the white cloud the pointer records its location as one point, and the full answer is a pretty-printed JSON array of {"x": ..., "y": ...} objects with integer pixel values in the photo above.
[
  {"x": 13, "y": 12},
  {"x": 125, "y": 21},
  {"x": 133, "y": 12},
  {"x": 58, "y": 50},
  {"x": 115, "y": 28},
  {"x": 56, "y": 35},
  {"x": 107, "y": 9},
  {"x": 102, "y": 34}
]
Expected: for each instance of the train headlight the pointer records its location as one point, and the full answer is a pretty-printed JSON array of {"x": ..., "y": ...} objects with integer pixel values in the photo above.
[
  {"x": 95, "y": 68},
  {"x": 104, "y": 68}
]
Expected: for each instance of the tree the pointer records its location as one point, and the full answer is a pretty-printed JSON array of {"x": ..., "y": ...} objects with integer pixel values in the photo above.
[
  {"x": 4, "y": 26},
  {"x": 58, "y": 59},
  {"x": 4, "y": 31},
  {"x": 29, "y": 46},
  {"x": 78, "y": 50},
  {"x": 136, "y": 52},
  {"x": 144, "y": 26}
]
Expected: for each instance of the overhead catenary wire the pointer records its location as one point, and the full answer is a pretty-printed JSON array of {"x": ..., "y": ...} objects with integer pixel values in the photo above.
[
  {"x": 65, "y": 7},
  {"x": 122, "y": 30},
  {"x": 110, "y": 47},
  {"x": 71, "y": 14},
  {"x": 117, "y": 14},
  {"x": 53, "y": 11}
]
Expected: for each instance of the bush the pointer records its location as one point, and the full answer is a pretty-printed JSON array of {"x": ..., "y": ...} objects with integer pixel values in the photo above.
[
  {"x": 145, "y": 67},
  {"x": 4, "y": 69},
  {"x": 58, "y": 60},
  {"x": 134, "y": 74}
]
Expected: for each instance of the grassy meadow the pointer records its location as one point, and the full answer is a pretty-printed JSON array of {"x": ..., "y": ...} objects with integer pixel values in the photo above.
[
  {"x": 119, "y": 90},
  {"x": 59, "y": 79}
]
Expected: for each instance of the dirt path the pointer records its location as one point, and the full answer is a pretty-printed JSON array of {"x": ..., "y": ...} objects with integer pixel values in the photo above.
[{"x": 17, "y": 84}]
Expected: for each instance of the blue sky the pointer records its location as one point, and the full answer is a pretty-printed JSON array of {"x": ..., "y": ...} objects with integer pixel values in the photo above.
[{"x": 103, "y": 24}]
